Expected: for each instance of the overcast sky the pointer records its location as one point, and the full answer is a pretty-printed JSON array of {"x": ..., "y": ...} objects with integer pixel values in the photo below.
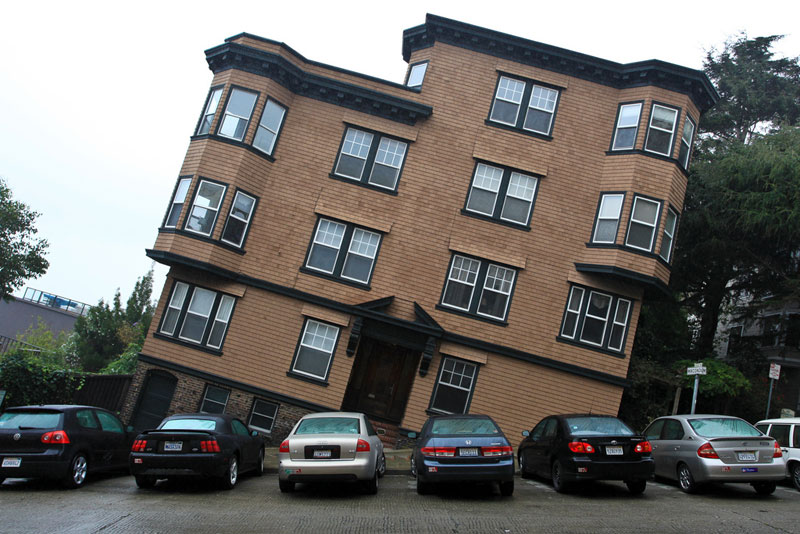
[{"x": 98, "y": 99}]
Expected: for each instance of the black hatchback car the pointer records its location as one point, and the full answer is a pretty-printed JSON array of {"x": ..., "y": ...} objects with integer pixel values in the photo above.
[
  {"x": 62, "y": 442},
  {"x": 574, "y": 448},
  {"x": 197, "y": 445}
]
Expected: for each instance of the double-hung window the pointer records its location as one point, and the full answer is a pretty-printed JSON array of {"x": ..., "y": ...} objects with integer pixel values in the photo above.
[
  {"x": 196, "y": 315},
  {"x": 662, "y": 130},
  {"x": 205, "y": 208},
  {"x": 668, "y": 238},
  {"x": 371, "y": 159},
  {"x": 686, "y": 143},
  {"x": 596, "y": 319},
  {"x": 237, "y": 114},
  {"x": 269, "y": 127},
  {"x": 262, "y": 417},
  {"x": 478, "y": 287},
  {"x": 214, "y": 400},
  {"x": 315, "y": 350},
  {"x": 524, "y": 104},
  {"x": 608, "y": 214},
  {"x": 211, "y": 109},
  {"x": 643, "y": 223},
  {"x": 502, "y": 194},
  {"x": 343, "y": 251},
  {"x": 627, "y": 126},
  {"x": 454, "y": 386},
  {"x": 178, "y": 200},
  {"x": 238, "y": 219}
]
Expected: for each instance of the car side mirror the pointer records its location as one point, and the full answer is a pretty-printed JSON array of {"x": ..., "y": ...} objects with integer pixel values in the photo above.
[
  {"x": 412, "y": 435},
  {"x": 526, "y": 433}
]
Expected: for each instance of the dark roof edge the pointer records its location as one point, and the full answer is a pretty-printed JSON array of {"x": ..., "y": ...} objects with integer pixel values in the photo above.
[{"x": 626, "y": 274}]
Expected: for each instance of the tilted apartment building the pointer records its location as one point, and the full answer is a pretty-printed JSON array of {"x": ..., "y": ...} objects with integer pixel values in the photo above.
[{"x": 478, "y": 239}]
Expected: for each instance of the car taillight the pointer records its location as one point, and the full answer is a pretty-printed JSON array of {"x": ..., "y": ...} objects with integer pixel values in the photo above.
[
  {"x": 581, "y": 447},
  {"x": 209, "y": 446},
  {"x": 362, "y": 446},
  {"x": 644, "y": 447},
  {"x": 139, "y": 445},
  {"x": 778, "y": 452},
  {"x": 497, "y": 451},
  {"x": 55, "y": 437},
  {"x": 707, "y": 451},
  {"x": 438, "y": 451},
  {"x": 284, "y": 446}
]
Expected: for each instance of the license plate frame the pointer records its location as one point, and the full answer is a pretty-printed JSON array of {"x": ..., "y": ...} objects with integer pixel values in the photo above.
[
  {"x": 747, "y": 456},
  {"x": 470, "y": 452},
  {"x": 12, "y": 462},
  {"x": 322, "y": 453},
  {"x": 614, "y": 450},
  {"x": 173, "y": 446}
]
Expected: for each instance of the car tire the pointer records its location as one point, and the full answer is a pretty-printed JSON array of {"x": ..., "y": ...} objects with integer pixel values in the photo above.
[
  {"x": 523, "y": 471},
  {"x": 286, "y": 486},
  {"x": 371, "y": 486},
  {"x": 794, "y": 470},
  {"x": 507, "y": 488},
  {"x": 78, "y": 469},
  {"x": 260, "y": 464},
  {"x": 382, "y": 465},
  {"x": 557, "y": 476},
  {"x": 765, "y": 488},
  {"x": 686, "y": 481},
  {"x": 423, "y": 488},
  {"x": 144, "y": 481},
  {"x": 636, "y": 487},
  {"x": 413, "y": 467},
  {"x": 231, "y": 475}
]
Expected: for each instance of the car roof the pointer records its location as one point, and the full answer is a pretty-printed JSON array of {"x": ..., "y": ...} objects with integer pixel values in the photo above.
[
  {"x": 780, "y": 420},
  {"x": 216, "y": 416},
  {"x": 687, "y": 416},
  {"x": 460, "y": 416},
  {"x": 54, "y": 407},
  {"x": 332, "y": 414},
  {"x": 586, "y": 415}
]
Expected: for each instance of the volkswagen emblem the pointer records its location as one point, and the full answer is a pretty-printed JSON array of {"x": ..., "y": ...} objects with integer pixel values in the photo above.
[
  {"x": 468, "y": 442},
  {"x": 17, "y": 436}
]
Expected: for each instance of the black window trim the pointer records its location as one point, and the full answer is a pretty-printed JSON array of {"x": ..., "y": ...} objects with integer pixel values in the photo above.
[
  {"x": 656, "y": 228},
  {"x": 576, "y": 339},
  {"x": 255, "y": 198},
  {"x": 182, "y": 177},
  {"x": 253, "y": 410},
  {"x": 502, "y": 194},
  {"x": 195, "y": 191},
  {"x": 597, "y": 218},
  {"x": 616, "y": 126},
  {"x": 408, "y": 74},
  {"x": 435, "y": 411},
  {"x": 243, "y": 140},
  {"x": 269, "y": 155},
  {"x": 307, "y": 377},
  {"x": 526, "y": 95},
  {"x": 678, "y": 110},
  {"x": 205, "y": 106},
  {"x": 370, "y": 161},
  {"x": 205, "y": 393}
]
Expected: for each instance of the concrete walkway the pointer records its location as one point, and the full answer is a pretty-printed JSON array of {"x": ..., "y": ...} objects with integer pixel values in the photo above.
[{"x": 398, "y": 462}]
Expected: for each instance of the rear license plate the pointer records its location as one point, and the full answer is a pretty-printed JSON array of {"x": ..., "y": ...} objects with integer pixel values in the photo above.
[
  {"x": 747, "y": 456},
  {"x": 749, "y": 469},
  {"x": 614, "y": 451},
  {"x": 322, "y": 454},
  {"x": 12, "y": 462},
  {"x": 173, "y": 445},
  {"x": 472, "y": 451}
]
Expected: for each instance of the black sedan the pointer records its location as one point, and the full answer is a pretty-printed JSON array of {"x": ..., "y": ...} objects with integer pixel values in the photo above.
[
  {"x": 573, "y": 448},
  {"x": 197, "y": 445},
  {"x": 462, "y": 448},
  {"x": 61, "y": 442}
]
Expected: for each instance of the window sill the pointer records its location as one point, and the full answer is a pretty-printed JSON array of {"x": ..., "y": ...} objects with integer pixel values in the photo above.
[
  {"x": 306, "y": 378},
  {"x": 545, "y": 137},
  {"x": 590, "y": 347},
  {"x": 365, "y": 185},
  {"x": 479, "y": 216},
  {"x": 365, "y": 287},
  {"x": 215, "y": 352},
  {"x": 489, "y": 320},
  {"x": 202, "y": 238}
]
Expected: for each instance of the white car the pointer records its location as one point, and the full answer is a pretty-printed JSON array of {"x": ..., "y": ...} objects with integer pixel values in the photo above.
[
  {"x": 787, "y": 432},
  {"x": 331, "y": 446}
]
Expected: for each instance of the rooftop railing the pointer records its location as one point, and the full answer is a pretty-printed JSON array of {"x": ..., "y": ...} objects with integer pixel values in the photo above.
[{"x": 55, "y": 301}]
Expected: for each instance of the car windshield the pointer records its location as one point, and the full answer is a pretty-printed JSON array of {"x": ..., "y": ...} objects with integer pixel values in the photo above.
[
  {"x": 464, "y": 426},
  {"x": 328, "y": 425},
  {"x": 189, "y": 424},
  {"x": 30, "y": 420},
  {"x": 723, "y": 427},
  {"x": 597, "y": 426}
]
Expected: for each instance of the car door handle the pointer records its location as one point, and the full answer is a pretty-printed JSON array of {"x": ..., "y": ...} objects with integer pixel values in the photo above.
[{"x": 676, "y": 448}]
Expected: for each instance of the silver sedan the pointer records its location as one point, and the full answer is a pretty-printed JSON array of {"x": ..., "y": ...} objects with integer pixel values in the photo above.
[
  {"x": 699, "y": 449},
  {"x": 331, "y": 446}
]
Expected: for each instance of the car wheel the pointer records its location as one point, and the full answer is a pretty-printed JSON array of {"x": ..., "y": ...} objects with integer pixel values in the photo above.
[
  {"x": 636, "y": 487},
  {"x": 557, "y": 475},
  {"x": 523, "y": 470},
  {"x": 507, "y": 488},
  {"x": 260, "y": 464},
  {"x": 795, "y": 471},
  {"x": 413, "y": 467},
  {"x": 143, "y": 481},
  {"x": 231, "y": 475},
  {"x": 78, "y": 469},
  {"x": 765, "y": 488},
  {"x": 686, "y": 480},
  {"x": 382, "y": 465},
  {"x": 424, "y": 488},
  {"x": 371, "y": 486},
  {"x": 286, "y": 486}
]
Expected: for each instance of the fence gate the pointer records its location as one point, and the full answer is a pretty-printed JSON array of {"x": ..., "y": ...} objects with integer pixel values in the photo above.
[{"x": 105, "y": 391}]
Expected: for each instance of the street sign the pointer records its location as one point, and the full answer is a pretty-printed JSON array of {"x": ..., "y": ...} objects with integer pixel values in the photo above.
[
  {"x": 775, "y": 371},
  {"x": 698, "y": 369}
]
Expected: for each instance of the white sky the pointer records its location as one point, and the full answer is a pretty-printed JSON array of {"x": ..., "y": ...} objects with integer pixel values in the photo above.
[{"x": 98, "y": 99}]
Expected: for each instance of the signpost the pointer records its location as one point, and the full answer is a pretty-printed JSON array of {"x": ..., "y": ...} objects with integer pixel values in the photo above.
[
  {"x": 697, "y": 370},
  {"x": 774, "y": 374}
]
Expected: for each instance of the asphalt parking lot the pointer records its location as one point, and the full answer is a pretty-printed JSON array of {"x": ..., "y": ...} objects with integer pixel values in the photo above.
[{"x": 113, "y": 504}]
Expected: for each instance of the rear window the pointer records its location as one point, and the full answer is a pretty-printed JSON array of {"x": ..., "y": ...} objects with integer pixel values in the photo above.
[
  {"x": 718, "y": 427},
  {"x": 189, "y": 424},
  {"x": 597, "y": 426},
  {"x": 30, "y": 420},
  {"x": 328, "y": 425},
  {"x": 464, "y": 426}
]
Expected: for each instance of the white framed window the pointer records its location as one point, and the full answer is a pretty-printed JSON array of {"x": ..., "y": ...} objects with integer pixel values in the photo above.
[
  {"x": 417, "y": 74},
  {"x": 502, "y": 194},
  {"x": 388, "y": 161},
  {"x": 608, "y": 214},
  {"x": 220, "y": 325},
  {"x": 687, "y": 136},
  {"x": 237, "y": 114},
  {"x": 460, "y": 284},
  {"x": 519, "y": 198},
  {"x": 173, "y": 310},
  {"x": 596, "y": 319},
  {"x": 539, "y": 111},
  {"x": 661, "y": 130},
  {"x": 541, "y": 108},
  {"x": 187, "y": 316},
  {"x": 496, "y": 283},
  {"x": 178, "y": 200},
  {"x": 358, "y": 262},
  {"x": 325, "y": 247},
  {"x": 668, "y": 238},
  {"x": 262, "y": 416},
  {"x": 315, "y": 350},
  {"x": 214, "y": 400},
  {"x": 371, "y": 158},
  {"x": 212, "y": 102},
  {"x": 572, "y": 315},
  {"x": 496, "y": 292},
  {"x": 197, "y": 314},
  {"x": 353, "y": 157},
  {"x": 485, "y": 187},
  {"x": 269, "y": 126},
  {"x": 642, "y": 226},
  {"x": 619, "y": 325},
  {"x": 454, "y": 386},
  {"x": 238, "y": 219},
  {"x": 205, "y": 208},
  {"x": 507, "y": 100},
  {"x": 361, "y": 255},
  {"x": 627, "y": 126}
]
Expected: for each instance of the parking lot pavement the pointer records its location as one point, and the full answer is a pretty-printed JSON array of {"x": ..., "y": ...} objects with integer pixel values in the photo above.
[{"x": 114, "y": 504}]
